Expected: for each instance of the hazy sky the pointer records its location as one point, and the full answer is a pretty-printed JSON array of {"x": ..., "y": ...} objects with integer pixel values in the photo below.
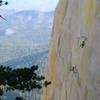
[{"x": 41, "y": 5}]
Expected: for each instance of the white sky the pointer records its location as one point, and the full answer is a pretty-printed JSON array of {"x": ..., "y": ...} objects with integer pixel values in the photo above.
[{"x": 41, "y": 5}]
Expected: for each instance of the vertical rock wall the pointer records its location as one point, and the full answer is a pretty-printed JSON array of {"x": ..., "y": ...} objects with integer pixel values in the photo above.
[{"x": 74, "y": 57}]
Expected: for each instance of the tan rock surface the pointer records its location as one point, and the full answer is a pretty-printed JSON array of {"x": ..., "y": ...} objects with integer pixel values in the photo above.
[{"x": 74, "y": 57}]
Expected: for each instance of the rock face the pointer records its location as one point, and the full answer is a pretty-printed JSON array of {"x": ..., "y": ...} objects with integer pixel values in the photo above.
[{"x": 74, "y": 57}]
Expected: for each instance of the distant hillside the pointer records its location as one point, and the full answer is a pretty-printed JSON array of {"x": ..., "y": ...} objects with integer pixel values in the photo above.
[
  {"x": 24, "y": 38},
  {"x": 39, "y": 59}
]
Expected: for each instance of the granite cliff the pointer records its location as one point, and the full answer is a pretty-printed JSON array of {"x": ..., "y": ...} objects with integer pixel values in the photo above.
[{"x": 74, "y": 57}]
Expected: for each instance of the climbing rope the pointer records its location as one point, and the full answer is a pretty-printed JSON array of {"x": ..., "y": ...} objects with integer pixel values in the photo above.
[
  {"x": 70, "y": 90},
  {"x": 75, "y": 72}
]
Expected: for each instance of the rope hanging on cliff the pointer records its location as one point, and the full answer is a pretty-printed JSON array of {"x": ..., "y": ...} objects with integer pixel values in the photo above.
[
  {"x": 71, "y": 88},
  {"x": 75, "y": 72}
]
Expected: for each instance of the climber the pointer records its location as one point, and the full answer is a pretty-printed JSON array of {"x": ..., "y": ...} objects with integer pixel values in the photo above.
[
  {"x": 83, "y": 42},
  {"x": 74, "y": 69}
]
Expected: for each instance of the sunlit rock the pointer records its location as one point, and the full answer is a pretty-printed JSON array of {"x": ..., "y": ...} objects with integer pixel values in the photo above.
[{"x": 74, "y": 57}]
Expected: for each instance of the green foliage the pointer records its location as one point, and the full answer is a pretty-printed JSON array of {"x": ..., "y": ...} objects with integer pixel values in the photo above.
[
  {"x": 21, "y": 79},
  {"x": 24, "y": 79},
  {"x": 19, "y": 98},
  {"x": 1, "y": 92},
  {"x": 3, "y": 2}
]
